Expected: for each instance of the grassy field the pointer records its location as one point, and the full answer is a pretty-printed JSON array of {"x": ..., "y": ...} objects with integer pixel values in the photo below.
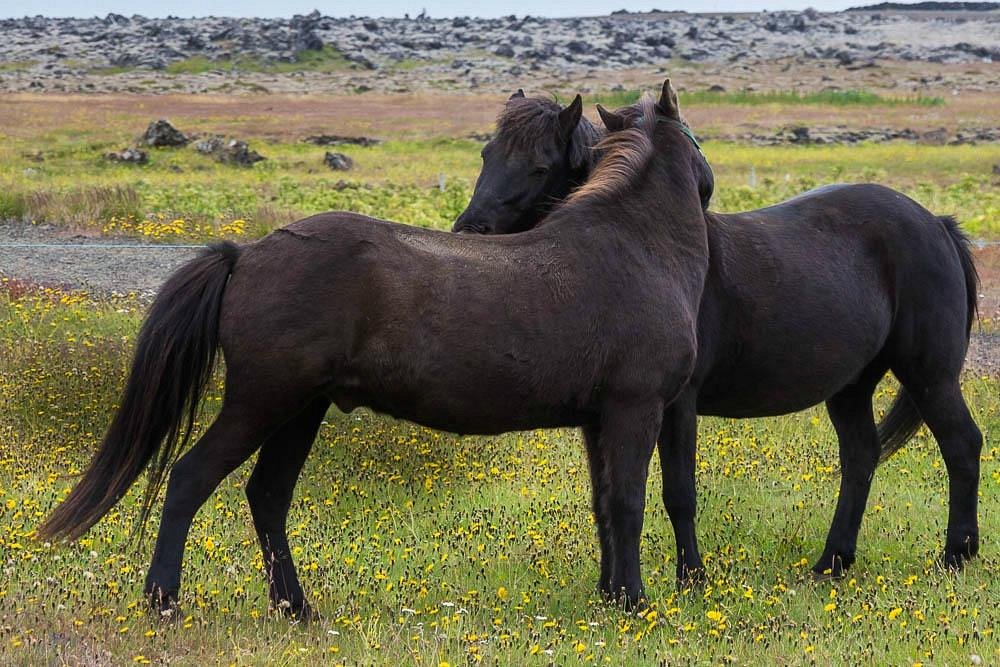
[
  {"x": 835, "y": 98},
  {"x": 181, "y": 194},
  {"x": 423, "y": 548},
  {"x": 55, "y": 172}
]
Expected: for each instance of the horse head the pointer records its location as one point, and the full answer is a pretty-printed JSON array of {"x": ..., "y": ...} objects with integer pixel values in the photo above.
[{"x": 541, "y": 151}]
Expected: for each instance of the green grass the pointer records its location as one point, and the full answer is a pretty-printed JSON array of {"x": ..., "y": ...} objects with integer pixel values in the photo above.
[
  {"x": 836, "y": 98},
  {"x": 111, "y": 70},
  {"x": 328, "y": 59},
  {"x": 16, "y": 65},
  {"x": 420, "y": 547},
  {"x": 399, "y": 180}
]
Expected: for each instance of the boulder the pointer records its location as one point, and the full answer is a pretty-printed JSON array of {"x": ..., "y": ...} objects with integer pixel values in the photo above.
[
  {"x": 128, "y": 156},
  {"x": 161, "y": 133},
  {"x": 800, "y": 135},
  {"x": 307, "y": 40},
  {"x": 338, "y": 161},
  {"x": 229, "y": 151},
  {"x": 340, "y": 140}
]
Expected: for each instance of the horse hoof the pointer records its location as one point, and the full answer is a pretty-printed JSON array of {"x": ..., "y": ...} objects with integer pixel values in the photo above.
[
  {"x": 831, "y": 568},
  {"x": 164, "y": 607},
  {"x": 630, "y": 603},
  {"x": 301, "y": 612},
  {"x": 305, "y": 615},
  {"x": 956, "y": 556},
  {"x": 954, "y": 559},
  {"x": 691, "y": 577}
]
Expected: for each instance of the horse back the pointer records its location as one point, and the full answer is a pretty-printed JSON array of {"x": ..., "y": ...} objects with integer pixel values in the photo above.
[{"x": 468, "y": 334}]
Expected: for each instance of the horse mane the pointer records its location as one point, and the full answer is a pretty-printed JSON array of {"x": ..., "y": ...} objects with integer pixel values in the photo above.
[
  {"x": 625, "y": 154},
  {"x": 525, "y": 119}
]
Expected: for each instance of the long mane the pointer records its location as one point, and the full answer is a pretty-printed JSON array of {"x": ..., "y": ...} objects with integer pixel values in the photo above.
[{"x": 625, "y": 154}]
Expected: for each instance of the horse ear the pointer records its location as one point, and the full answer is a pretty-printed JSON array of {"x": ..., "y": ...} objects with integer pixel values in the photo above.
[
  {"x": 611, "y": 120},
  {"x": 570, "y": 116},
  {"x": 668, "y": 102},
  {"x": 519, "y": 94}
]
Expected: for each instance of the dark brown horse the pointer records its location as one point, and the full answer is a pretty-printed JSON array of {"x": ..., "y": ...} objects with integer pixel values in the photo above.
[
  {"x": 589, "y": 320},
  {"x": 815, "y": 300}
]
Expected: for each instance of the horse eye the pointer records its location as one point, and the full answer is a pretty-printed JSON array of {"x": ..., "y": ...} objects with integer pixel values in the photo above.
[{"x": 541, "y": 171}]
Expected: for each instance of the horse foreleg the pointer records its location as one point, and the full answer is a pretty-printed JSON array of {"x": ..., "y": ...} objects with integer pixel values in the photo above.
[
  {"x": 628, "y": 435},
  {"x": 269, "y": 492},
  {"x": 598, "y": 489},
  {"x": 677, "y": 444}
]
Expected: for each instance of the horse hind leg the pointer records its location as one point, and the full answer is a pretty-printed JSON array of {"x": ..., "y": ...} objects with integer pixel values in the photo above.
[
  {"x": 242, "y": 425},
  {"x": 269, "y": 492},
  {"x": 677, "y": 446},
  {"x": 850, "y": 411},
  {"x": 947, "y": 416}
]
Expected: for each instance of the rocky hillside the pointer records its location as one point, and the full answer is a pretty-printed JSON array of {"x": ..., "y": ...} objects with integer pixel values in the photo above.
[
  {"x": 613, "y": 41},
  {"x": 34, "y": 50}
]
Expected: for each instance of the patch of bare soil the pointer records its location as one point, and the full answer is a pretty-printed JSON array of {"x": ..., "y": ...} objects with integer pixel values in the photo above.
[{"x": 433, "y": 114}]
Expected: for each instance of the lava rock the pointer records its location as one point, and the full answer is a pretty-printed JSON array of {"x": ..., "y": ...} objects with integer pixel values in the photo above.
[
  {"x": 128, "y": 156},
  {"x": 339, "y": 140},
  {"x": 800, "y": 135},
  {"x": 338, "y": 161},
  {"x": 307, "y": 40},
  {"x": 161, "y": 133},
  {"x": 229, "y": 151}
]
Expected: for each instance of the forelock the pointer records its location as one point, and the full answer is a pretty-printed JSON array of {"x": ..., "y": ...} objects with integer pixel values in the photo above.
[{"x": 525, "y": 120}]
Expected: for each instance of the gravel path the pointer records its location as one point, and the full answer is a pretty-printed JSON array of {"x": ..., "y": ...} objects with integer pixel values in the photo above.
[
  {"x": 122, "y": 265},
  {"x": 45, "y": 255}
]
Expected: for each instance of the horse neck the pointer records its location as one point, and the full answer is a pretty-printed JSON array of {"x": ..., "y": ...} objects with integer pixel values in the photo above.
[{"x": 660, "y": 207}]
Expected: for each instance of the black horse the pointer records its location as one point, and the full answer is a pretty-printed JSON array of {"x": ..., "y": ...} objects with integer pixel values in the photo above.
[
  {"x": 541, "y": 152},
  {"x": 814, "y": 300},
  {"x": 589, "y": 320}
]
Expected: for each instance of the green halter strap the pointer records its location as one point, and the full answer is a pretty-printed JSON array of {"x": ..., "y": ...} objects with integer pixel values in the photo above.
[{"x": 687, "y": 133}]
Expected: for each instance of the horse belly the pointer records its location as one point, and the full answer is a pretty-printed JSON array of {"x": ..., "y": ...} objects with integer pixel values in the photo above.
[
  {"x": 469, "y": 391},
  {"x": 782, "y": 374}
]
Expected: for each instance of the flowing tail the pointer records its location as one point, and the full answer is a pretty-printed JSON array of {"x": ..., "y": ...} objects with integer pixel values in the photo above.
[
  {"x": 903, "y": 420},
  {"x": 174, "y": 358}
]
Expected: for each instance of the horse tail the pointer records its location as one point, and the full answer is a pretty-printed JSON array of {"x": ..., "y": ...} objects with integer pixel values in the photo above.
[
  {"x": 899, "y": 425},
  {"x": 903, "y": 420},
  {"x": 174, "y": 358},
  {"x": 963, "y": 246}
]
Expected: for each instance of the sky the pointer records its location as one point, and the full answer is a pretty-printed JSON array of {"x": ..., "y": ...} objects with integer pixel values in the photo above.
[{"x": 397, "y": 8}]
